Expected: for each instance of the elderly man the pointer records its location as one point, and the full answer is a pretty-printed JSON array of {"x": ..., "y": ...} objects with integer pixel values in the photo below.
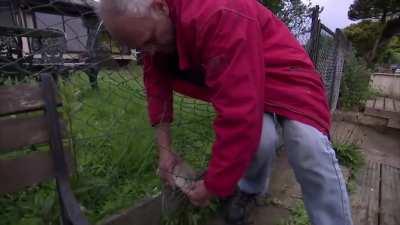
[{"x": 242, "y": 59}]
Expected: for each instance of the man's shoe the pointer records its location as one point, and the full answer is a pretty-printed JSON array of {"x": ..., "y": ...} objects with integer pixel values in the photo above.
[{"x": 236, "y": 208}]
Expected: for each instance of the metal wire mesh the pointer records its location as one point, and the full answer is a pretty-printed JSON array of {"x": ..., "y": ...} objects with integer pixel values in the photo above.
[
  {"x": 326, "y": 58},
  {"x": 328, "y": 50},
  {"x": 104, "y": 105}
]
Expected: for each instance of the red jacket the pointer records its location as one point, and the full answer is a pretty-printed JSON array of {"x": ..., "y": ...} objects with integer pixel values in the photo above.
[{"x": 237, "y": 55}]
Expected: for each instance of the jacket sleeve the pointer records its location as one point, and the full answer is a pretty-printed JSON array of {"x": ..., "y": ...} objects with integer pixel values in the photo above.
[
  {"x": 159, "y": 92},
  {"x": 231, "y": 54}
]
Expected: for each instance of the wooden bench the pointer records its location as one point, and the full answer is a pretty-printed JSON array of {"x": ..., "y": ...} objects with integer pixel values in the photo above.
[{"x": 29, "y": 117}]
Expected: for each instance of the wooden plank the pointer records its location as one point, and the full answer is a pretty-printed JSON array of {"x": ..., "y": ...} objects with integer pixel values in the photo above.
[
  {"x": 147, "y": 212},
  {"x": 389, "y": 104},
  {"x": 20, "y": 98},
  {"x": 29, "y": 170},
  {"x": 390, "y": 196},
  {"x": 393, "y": 123},
  {"x": 379, "y": 104},
  {"x": 358, "y": 118},
  {"x": 397, "y": 105},
  {"x": 366, "y": 199},
  {"x": 151, "y": 211},
  {"x": 384, "y": 107},
  {"x": 370, "y": 103},
  {"x": 17, "y": 133}
]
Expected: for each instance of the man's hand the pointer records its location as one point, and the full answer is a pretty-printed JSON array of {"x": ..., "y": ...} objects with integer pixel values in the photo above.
[
  {"x": 167, "y": 161},
  {"x": 198, "y": 194}
]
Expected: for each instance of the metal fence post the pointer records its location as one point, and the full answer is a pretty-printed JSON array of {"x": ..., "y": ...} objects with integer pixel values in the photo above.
[
  {"x": 315, "y": 32},
  {"x": 342, "y": 48}
]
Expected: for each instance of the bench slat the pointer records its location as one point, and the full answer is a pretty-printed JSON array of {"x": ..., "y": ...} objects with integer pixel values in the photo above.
[
  {"x": 21, "y": 98},
  {"x": 29, "y": 170},
  {"x": 16, "y": 133}
]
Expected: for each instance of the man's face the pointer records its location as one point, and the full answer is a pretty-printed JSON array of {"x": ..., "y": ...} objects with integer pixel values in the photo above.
[{"x": 151, "y": 33}]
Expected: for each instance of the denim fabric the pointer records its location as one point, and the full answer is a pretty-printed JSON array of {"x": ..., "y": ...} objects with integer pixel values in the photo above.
[{"x": 315, "y": 166}]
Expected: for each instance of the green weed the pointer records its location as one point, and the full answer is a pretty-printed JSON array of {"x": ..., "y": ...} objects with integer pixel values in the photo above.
[
  {"x": 298, "y": 216},
  {"x": 114, "y": 148},
  {"x": 349, "y": 155}
]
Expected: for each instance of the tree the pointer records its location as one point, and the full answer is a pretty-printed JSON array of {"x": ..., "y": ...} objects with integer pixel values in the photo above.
[
  {"x": 363, "y": 36},
  {"x": 391, "y": 54},
  {"x": 374, "y": 9},
  {"x": 388, "y": 14},
  {"x": 294, "y": 13},
  {"x": 274, "y": 5}
]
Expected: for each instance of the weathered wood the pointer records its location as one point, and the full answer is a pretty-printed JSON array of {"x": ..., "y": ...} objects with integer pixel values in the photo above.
[
  {"x": 71, "y": 212},
  {"x": 29, "y": 170},
  {"x": 380, "y": 103},
  {"x": 394, "y": 123},
  {"x": 390, "y": 196},
  {"x": 370, "y": 103},
  {"x": 147, "y": 212},
  {"x": 366, "y": 201},
  {"x": 385, "y": 108},
  {"x": 359, "y": 118},
  {"x": 387, "y": 85},
  {"x": 16, "y": 133},
  {"x": 389, "y": 105},
  {"x": 151, "y": 211},
  {"x": 397, "y": 105},
  {"x": 20, "y": 98}
]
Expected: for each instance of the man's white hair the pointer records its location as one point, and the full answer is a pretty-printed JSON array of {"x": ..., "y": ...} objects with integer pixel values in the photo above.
[{"x": 136, "y": 8}]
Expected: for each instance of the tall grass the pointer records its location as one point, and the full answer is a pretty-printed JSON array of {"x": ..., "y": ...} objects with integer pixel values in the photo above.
[{"x": 114, "y": 148}]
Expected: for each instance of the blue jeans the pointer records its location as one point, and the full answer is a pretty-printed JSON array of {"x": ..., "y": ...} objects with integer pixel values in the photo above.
[{"x": 315, "y": 166}]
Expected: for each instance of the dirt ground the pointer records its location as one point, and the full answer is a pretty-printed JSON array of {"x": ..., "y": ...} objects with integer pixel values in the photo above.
[{"x": 376, "y": 199}]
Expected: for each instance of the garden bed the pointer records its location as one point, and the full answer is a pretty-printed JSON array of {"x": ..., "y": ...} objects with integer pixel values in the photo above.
[{"x": 116, "y": 158}]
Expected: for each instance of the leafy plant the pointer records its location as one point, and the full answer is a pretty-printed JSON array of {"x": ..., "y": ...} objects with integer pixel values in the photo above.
[
  {"x": 349, "y": 155},
  {"x": 187, "y": 214},
  {"x": 355, "y": 89},
  {"x": 298, "y": 216},
  {"x": 114, "y": 148}
]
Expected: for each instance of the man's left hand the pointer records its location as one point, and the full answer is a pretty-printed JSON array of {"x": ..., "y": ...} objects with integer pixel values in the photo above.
[{"x": 198, "y": 194}]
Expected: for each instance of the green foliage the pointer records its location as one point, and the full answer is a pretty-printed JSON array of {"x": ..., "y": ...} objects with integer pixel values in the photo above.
[
  {"x": 349, "y": 155},
  {"x": 373, "y": 9},
  {"x": 363, "y": 36},
  {"x": 355, "y": 89},
  {"x": 189, "y": 215},
  {"x": 114, "y": 148},
  {"x": 275, "y": 6},
  {"x": 294, "y": 13},
  {"x": 391, "y": 54},
  {"x": 298, "y": 216},
  {"x": 388, "y": 14}
]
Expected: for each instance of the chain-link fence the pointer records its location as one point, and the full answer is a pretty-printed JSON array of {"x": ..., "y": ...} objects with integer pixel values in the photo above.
[
  {"x": 328, "y": 51},
  {"x": 104, "y": 104}
]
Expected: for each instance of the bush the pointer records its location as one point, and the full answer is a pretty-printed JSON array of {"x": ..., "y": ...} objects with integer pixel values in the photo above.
[
  {"x": 349, "y": 155},
  {"x": 355, "y": 89}
]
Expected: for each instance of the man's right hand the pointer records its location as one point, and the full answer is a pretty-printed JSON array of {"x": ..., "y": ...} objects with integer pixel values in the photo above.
[{"x": 166, "y": 164}]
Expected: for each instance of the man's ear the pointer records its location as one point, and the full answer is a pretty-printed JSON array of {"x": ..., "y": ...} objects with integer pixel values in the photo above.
[{"x": 160, "y": 6}]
